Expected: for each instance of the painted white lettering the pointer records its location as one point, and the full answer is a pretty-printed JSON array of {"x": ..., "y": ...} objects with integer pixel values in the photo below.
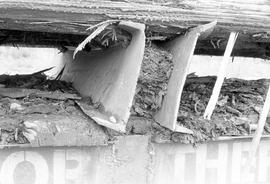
[
  {"x": 247, "y": 176},
  {"x": 264, "y": 161},
  {"x": 59, "y": 167},
  {"x": 236, "y": 162},
  {"x": 179, "y": 168},
  {"x": 15, "y": 158},
  {"x": 220, "y": 163},
  {"x": 75, "y": 172},
  {"x": 200, "y": 164}
]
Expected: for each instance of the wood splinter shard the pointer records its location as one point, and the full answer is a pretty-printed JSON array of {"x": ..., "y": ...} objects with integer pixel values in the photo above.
[
  {"x": 98, "y": 29},
  {"x": 220, "y": 78},
  {"x": 257, "y": 137},
  {"x": 261, "y": 123}
]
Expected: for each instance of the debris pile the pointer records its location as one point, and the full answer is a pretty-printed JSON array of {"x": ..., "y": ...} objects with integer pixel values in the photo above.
[
  {"x": 22, "y": 96},
  {"x": 152, "y": 83},
  {"x": 36, "y": 80},
  {"x": 236, "y": 113}
]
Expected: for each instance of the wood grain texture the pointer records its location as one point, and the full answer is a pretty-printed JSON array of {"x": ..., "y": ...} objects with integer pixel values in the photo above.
[
  {"x": 162, "y": 17},
  {"x": 237, "y": 15}
]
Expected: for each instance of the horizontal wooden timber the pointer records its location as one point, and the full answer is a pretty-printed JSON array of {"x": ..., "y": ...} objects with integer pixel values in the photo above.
[{"x": 64, "y": 22}]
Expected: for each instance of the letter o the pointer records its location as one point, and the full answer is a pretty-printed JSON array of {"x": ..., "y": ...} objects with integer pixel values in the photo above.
[{"x": 10, "y": 163}]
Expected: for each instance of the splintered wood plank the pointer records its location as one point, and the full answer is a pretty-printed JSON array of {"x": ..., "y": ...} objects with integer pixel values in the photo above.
[
  {"x": 59, "y": 129},
  {"x": 57, "y": 23},
  {"x": 263, "y": 116},
  {"x": 221, "y": 76},
  {"x": 73, "y": 16},
  {"x": 182, "y": 49},
  {"x": 257, "y": 137},
  {"x": 21, "y": 93}
]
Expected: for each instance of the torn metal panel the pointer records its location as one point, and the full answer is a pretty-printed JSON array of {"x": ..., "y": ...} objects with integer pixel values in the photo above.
[
  {"x": 101, "y": 118},
  {"x": 109, "y": 76},
  {"x": 182, "y": 49}
]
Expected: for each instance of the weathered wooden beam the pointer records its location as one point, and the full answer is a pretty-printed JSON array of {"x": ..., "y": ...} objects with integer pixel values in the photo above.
[
  {"x": 72, "y": 16},
  {"x": 163, "y": 18}
]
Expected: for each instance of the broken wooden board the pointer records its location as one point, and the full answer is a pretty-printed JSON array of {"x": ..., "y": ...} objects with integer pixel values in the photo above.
[
  {"x": 65, "y": 22},
  {"x": 221, "y": 76},
  {"x": 42, "y": 122},
  {"x": 182, "y": 49},
  {"x": 74, "y": 17},
  {"x": 58, "y": 130},
  {"x": 22, "y": 93},
  {"x": 258, "y": 135}
]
